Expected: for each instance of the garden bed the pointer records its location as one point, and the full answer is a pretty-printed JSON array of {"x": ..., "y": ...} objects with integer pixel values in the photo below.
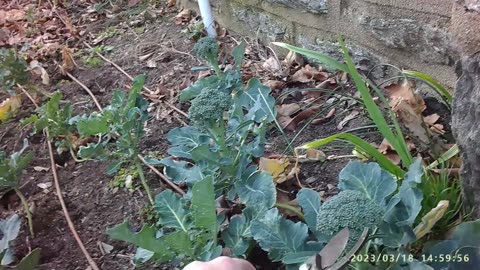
[{"x": 148, "y": 39}]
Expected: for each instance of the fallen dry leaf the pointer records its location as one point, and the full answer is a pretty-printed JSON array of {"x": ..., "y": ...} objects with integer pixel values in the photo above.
[
  {"x": 412, "y": 120},
  {"x": 281, "y": 169},
  {"x": 405, "y": 91},
  {"x": 292, "y": 124},
  {"x": 272, "y": 64},
  {"x": 293, "y": 59},
  {"x": 274, "y": 84},
  {"x": 184, "y": 16},
  {"x": 132, "y": 3},
  {"x": 171, "y": 3},
  {"x": 287, "y": 109},
  {"x": 37, "y": 69},
  {"x": 312, "y": 155},
  {"x": 385, "y": 146},
  {"x": 68, "y": 63},
  {"x": 348, "y": 118},
  {"x": 309, "y": 74},
  {"x": 325, "y": 119},
  {"x": 9, "y": 106},
  {"x": 284, "y": 198},
  {"x": 431, "y": 119}
]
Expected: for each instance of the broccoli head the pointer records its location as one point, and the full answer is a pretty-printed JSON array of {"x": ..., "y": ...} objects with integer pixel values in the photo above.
[
  {"x": 349, "y": 209},
  {"x": 207, "y": 49},
  {"x": 208, "y": 107}
]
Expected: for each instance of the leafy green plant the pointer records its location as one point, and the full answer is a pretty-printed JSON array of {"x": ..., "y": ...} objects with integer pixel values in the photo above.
[
  {"x": 10, "y": 172},
  {"x": 9, "y": 230},
  {"x": 58, "y": 120},
  {"x": 120, "y": 127},
  {"x": 13, "y": 69},
  {"x": 401, "y": 204},
  {"x": 91, "y": 59},
  {"x": 189, "y": 231}
]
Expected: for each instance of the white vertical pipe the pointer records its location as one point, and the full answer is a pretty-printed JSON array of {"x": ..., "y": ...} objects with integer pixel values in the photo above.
[{"x": 206, "y": 13}]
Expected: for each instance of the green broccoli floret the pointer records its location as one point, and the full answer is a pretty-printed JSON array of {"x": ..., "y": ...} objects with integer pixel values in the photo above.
[
  {"x": 349, "y": 209},
  {"x": 207, "y": 49},
  {"x": 206, "y": 110}
]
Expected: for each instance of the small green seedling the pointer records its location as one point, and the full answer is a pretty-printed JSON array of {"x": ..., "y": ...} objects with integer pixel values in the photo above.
[
  {"x": 11, "y": 169},
  {"x": 120, "y": 127},
  {"x": 13, "y": 70}
]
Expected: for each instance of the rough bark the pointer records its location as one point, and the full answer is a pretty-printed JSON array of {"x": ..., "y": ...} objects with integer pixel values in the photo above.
[{"x": 466, "y": 104}]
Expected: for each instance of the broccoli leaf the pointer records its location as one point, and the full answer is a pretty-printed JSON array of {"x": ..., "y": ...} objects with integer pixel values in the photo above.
[
  {"x": 179, "y": 171},
  {"x": 171, "y": 211},
  {"x": 184, "y": 140},
  {"x": 376, "y": 183},
  {"x": 237, "y": 236},
  {"x": 145, "y": 239},
  {"x": 203, "y": 205},
  {"x": 256, "y": 189},
  {"x": 193, "y": 90},
  {"x": 9, "y": 230},
  {"x": 92, "y": 125},
  {"x": 30, "y": 261},
  {"x": 238, "y": 53},
  {"x": 404, "y": 207},
  {"x": 258, "y": 102},
  {"x": 279, "y": 236},
  {"x": 310, "y": 202}
]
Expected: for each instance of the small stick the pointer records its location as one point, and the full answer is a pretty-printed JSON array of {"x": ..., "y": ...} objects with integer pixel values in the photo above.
[
  {"x": 164, "y": 178},
  {"x": 91, "y": 262},
  {"x": 131, "y": 78},
  {"x": 84, "y": 87}
]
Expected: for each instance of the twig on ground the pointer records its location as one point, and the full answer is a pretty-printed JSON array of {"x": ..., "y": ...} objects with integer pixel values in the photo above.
[
  {"x": 91, "y": 262},
  {"x": 164, "y": 178},
  {"x": 84, "y": 87},
  {"x": 71, "y": 226}
]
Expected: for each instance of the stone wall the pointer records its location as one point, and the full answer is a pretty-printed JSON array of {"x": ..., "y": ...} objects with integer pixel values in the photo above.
[{"x": 407, "y": 33}]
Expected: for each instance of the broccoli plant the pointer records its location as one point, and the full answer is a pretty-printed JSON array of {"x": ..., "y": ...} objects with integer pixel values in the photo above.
[
  {"x": 349, "y": 209},
  {"x": 13, "y": 69},
  {"x": 10, "y": 172},
  {"x": 120, "y": 127},
  {"x": 207, "y": 49},
  {"x": 188, "y": 229},
  {"x": 228, "y": 80},
  {"x": 58, "y": 120}
]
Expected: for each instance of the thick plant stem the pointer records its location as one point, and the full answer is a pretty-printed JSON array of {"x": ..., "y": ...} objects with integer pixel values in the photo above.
[
  {"x": 138, "y": 164},
  {"x": 27, "y": 210},
  {"x": 291, "y": 209}
]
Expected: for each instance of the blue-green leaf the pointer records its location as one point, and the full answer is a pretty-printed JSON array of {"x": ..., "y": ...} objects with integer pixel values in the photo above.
[
  {"x": 310, "y": 202},
  {"x": 9, "y": 229},
  {"x": 237, "y": 236},
  {"x": 203, "y": 205},
  {"x": 171, "y": 211},
  {"x": 184, "y": 140},
  {"x": 258, "y": 102},
  {"x": 145, "y": 239},
  {"x": 407, "y": 203},
  {"x": 238, "y": 53},
  {"x": 92, "y": 125},
  {"x": 368, "y": 178},
  {"x": 193, "y": 90},
  {"x": 180, "y": 171},
  {"x": 277, "y": 235},
  {"x": 256, "y": 189}
]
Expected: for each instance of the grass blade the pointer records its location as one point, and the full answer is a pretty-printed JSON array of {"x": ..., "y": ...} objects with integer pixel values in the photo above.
[
  {"x": 432, "y": 82},
  {"x": 315, "y": 55},
  {"x": 396, "y": 140},
  {"x": 362, "y": 144},
  {"x": 453, "y": 151}
]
